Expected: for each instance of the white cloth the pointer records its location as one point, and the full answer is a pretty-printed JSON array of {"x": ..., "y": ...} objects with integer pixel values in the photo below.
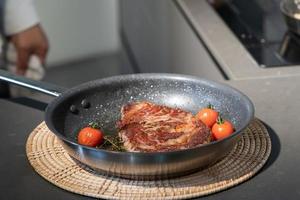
[{"x": 19, "y": 15}]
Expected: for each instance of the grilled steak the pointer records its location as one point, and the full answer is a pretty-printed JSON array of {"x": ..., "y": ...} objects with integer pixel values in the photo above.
[{"x": 147, "y": 127}]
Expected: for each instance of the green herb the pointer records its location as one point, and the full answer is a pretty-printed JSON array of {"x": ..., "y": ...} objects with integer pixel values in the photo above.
[
  {"x": 94, "y": 125},
  {"x": 210, "y": 106},
  {"x": 220, "y": 120},
  {"x": 113, "y": 143}
]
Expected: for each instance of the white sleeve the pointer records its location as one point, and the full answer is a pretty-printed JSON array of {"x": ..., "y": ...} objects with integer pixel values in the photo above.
[{"x": 19, "y": 15}]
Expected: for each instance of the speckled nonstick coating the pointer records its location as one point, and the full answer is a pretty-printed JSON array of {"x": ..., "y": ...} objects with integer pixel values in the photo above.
[{"x": 106, "y": 96}]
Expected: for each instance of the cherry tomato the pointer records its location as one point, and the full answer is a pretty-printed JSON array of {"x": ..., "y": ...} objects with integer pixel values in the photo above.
[
  {"x": 90, "y": 136},
  {"x": 208, "y": 116},
  {"x": 222, "y": 129}
]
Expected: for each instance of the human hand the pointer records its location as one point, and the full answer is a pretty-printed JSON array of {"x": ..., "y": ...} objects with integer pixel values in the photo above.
[{"x": 32, "y": 41}]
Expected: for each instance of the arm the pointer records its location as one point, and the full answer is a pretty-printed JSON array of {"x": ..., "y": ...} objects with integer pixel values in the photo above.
[{"x": 21, "y": 26}]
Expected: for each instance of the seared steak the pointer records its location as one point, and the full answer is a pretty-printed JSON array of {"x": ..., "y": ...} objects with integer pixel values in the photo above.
[{"x": 147, "y": 127}]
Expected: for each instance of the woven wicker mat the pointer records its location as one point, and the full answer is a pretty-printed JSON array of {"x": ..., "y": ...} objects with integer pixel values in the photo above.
[{"x": 51, "y": 161}]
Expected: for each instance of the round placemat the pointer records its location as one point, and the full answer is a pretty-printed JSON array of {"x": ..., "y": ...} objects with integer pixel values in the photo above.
[{"x": 51, "y": 161}]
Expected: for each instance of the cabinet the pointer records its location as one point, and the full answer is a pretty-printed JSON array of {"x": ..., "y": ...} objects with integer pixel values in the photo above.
[{"x": 161, "y": 40}]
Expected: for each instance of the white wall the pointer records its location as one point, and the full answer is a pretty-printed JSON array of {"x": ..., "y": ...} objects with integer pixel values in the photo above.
[{"x": 78, "y": 29}]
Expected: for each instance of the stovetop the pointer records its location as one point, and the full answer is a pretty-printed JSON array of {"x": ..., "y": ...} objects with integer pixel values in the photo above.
[{"x": 260, "y": 27}]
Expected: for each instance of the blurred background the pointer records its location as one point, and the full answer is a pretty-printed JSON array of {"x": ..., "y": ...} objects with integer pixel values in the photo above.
[
  {"x": 108, "y": 37},
  {"x": 78, "y": 30},
  {"x": 83, "y": 39},
  {"x": 213, "y": 39}
]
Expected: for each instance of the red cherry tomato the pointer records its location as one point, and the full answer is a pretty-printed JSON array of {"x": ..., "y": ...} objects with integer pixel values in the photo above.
[
  {"x": 208, "y": 116},
  {"x": 222, "y": 129},
  {"x": 90, "y": 136}
]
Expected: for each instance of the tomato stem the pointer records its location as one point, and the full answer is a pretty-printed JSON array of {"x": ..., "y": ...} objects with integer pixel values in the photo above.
[
  {"x": 210, "y": 106},
  {"x": 220, "y": 120},
  {"x": 94, "y": 125}
]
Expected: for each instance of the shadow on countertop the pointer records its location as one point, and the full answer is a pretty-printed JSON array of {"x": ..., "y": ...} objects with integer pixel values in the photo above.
[{"x": 276, "y": 147}]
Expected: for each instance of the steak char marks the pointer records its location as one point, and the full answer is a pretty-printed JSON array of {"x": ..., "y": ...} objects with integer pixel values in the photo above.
[{"x": 147, "y": 127}]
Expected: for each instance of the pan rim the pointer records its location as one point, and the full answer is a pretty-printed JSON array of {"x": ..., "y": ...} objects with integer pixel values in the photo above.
[{"x": 172, "y": 76}]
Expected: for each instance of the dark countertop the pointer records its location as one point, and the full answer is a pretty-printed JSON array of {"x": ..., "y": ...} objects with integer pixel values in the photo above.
[
  {"x": 18, "y": 179},
  {"x": 276, "y": 102}
]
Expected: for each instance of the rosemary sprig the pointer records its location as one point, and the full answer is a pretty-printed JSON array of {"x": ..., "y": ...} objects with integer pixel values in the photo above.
[{"x": 112, "y": 143}]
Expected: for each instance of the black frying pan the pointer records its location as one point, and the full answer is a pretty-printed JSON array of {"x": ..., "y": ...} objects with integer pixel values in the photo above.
[{"x": 102, "y": 99}]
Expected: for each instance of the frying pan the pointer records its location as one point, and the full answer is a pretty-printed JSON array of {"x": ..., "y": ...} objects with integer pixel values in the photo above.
[{"x": 102, "y": 99}]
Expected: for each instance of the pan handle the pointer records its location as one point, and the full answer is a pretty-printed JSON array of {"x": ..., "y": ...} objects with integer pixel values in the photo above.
[{"x": 46, "y": 88}]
